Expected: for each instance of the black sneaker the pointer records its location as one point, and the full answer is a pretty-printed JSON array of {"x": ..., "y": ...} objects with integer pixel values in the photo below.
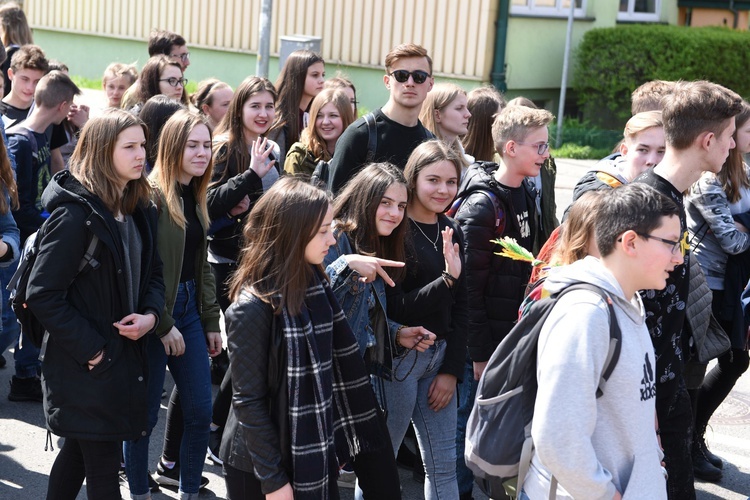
[
  {"x": 214, "y": 445},
  {"x": 25, "y": 389},
  {"x": 153, "y": 486},
  {"x": 171, "y": 477},
  {"x": 700, "y": 442}
]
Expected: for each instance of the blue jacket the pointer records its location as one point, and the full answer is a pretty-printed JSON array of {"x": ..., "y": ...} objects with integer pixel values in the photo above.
[{"x": 354, "y": 297}]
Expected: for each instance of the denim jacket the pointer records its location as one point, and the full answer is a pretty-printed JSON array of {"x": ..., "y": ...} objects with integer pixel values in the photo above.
[{"x": 354, "y": 297}]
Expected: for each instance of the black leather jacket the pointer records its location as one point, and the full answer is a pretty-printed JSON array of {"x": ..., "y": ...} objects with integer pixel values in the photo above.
[{"x": 257, "y": 438}]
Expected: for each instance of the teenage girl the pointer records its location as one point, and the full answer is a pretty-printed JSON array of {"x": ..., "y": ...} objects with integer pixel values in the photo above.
[
  {"x": 9, "y": 246},
  {"x": 291, "y": 350},
  {"x": 432, "y": 294},
  {"x": 719, "y": 243},
  {"x": 212, "y": 100},
  {"x": 330, "y": 114},
  {"x": 160, "y": 75},
  {"x": 300, "y": 80},
  {"x": 483, "y": 103},
  {"x": 155, "y": 113},
  {"x": 94, "y": 369},
  {"x": 118, "y": 77},
  {"x": 190, "y": 321},
  {"x": 445, "y": 113}
]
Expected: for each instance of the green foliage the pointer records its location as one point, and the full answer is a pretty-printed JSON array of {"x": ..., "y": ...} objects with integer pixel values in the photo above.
[
  {"x": 584, "y": 133},
  {"x": 578, "y": 152},
  {"x": 87, "y": 83},
  {"x": 612, "y": 62}
]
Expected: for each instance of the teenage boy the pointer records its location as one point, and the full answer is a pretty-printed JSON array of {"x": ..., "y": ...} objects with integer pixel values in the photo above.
[
  {"x": 408, "y": 78},
  {"x": 171, "y": 45},
  {"x": 604, "y": 447},
  {"x": 698, "y": 125},
  {"x": 497, "y": 200},
  {"x": 28, "y": 65},
  {"x": 27, "y": 141}
]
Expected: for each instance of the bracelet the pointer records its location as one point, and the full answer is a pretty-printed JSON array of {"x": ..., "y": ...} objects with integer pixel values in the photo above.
[
  {"x": 94, "y": 365},
  {"x": 398, "y": 335},
  {"x": 449, "y": 279}
]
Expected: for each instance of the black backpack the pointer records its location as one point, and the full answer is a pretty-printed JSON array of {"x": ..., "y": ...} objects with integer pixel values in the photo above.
[
  {"x": 498, "y": 432},
  {"x": 322, "y": 173},
  {"x": 31, "y": 327}
]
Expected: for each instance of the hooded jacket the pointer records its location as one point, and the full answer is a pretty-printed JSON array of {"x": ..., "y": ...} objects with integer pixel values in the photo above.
[
  {"x": 495, "y": 284},
  {"x": 594, "y": 446},
  {"x": 107, "y": 403}
]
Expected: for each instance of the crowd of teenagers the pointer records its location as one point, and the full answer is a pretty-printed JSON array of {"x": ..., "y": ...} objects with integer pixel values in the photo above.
[{"x": 365, "y": 310}]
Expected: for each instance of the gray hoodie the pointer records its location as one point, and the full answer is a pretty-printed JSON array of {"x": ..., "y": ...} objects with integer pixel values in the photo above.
[{"x": 594, "y": 446}]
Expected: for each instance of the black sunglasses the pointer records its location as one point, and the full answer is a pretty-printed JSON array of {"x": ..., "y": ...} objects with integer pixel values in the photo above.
[{"x": 402, "y": 76}]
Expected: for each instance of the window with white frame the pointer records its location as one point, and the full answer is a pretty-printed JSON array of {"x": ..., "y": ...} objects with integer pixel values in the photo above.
[
  {"x": 639, "y": 10},
  {"x": 547, "y": 7}
]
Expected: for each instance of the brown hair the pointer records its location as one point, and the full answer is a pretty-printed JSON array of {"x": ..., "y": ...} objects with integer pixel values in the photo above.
[
  {"x": 578, "y": 231},
  {"x": 14, "y": 26},
  {"x": 341, "y": 82},
  {"x": 54, "y": 88},
  {"x": 311, "y": 139},
  {"x": 426, "y": 154},
  {"x": 161, "y": 42},
  {"x": 732, "y": 175},
  {"x": 148, "y": 82},
  {"x": 356, "y": 206},
  {"x": 235, "y": 152},
  {"x": 697, "y": 107},
  {"x": 29, "y": 57},
  {"x": 172, "y": 141},
  {"x": 404, "y": 51},
  {"x": 277, "y": 231},
  {"x": 648, "y": 97},
  {"x": 514, "y": 122},
  {"x": 205, "y": 93},
  {"x": 290, "y": 86},
  {"x": 484, "y": 103},
  {"x": 441, "y": 95},
  {"x": 93, "y": 165}
]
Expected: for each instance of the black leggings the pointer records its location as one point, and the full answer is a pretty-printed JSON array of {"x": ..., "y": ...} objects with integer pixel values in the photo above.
[
  {"x": 96, "y": 461},
  {"x": 242, "y": 485},
  {"x": 719, "y": 383}
]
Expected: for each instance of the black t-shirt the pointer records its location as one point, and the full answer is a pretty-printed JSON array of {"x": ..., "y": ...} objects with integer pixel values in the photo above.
[
  {"x": 395, "y": 142},
  {"x": 193, "y": 234},
  {"x": 521, "y": 208},
  {"x": 665, "y": 309}
]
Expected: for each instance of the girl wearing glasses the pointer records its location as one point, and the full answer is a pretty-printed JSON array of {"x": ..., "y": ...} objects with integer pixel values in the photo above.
[
  {"x": 160, "y": 75},
  {"x": 330, "y": 114},
  {"x": 717, "y": 208},
  {"x": 445, "y": 113},
  {"x": 433, "y": 295},
  {"x": 300, "y": 80}
]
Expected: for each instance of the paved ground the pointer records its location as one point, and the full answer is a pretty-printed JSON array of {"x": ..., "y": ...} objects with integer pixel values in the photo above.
[{"x": 24, "y": 464}]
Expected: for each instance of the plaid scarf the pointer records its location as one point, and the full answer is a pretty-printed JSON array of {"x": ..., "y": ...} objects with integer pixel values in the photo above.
[{"x": 332, "y": 409}]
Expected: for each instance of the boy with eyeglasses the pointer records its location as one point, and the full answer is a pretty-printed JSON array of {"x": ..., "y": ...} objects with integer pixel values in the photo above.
[
  {"x": 698, "y": 122},
  {"x": 589, "y": 446},
  {"x": 171, "y": 45},
  {"x": 408, "y": 78}
]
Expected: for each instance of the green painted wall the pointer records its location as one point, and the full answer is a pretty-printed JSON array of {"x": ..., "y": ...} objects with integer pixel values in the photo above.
[
  {"x": 536, "y": 48},
  {"x": 89, "y": 55}
]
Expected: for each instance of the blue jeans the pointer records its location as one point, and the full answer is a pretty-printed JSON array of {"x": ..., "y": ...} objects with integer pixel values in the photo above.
[
  {"x": 193, "y": 380},
  {"x": 27, "y": 355},
  {"x": 467, "y": 393},
  {"x": 436, "y": 431}
]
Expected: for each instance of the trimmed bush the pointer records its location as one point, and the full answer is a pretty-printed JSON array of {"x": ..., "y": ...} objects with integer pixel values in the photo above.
[
  {"x": 612, "y": 62},
  {"x": 578, "y": 152}
]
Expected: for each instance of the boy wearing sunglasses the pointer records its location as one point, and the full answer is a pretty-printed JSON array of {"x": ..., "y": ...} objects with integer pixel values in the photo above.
[
  {"x": 698, "y": 125},
  {"x": 398, "y": 130}
]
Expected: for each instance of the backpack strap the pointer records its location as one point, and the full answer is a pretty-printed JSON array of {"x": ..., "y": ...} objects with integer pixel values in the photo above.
[
  {"x": 615, "y": 334},
  {"x": 372, "y": 136},
  {"x": 88, "y": 256}
]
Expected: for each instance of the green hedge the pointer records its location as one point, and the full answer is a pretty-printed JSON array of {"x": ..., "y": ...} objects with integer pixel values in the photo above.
[{"x": 612, "y": 62}]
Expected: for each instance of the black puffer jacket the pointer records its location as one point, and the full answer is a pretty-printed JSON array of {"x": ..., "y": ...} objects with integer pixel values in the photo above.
[
  {"x": 107, "y": 403},
  {"x": 495, "y": 284},
  {"x": 257, "y": 437}
]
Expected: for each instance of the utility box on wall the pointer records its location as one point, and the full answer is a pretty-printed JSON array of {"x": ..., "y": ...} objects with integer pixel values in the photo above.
[{"x": 290, "y": 43}]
